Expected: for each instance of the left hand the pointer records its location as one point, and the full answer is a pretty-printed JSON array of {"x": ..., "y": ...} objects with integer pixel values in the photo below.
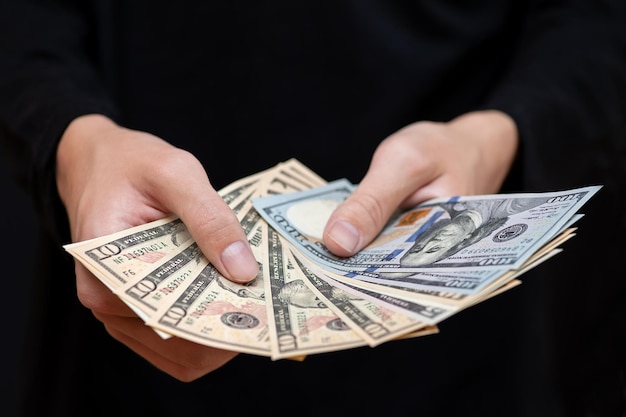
[{"x": 471, "y": 154}]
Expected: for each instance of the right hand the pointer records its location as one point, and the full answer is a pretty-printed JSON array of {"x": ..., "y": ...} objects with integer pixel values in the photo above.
[{"x": 111, "y": 178}]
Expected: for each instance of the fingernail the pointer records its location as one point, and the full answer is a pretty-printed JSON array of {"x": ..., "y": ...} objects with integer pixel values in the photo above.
[
  {"x": 345, "y": 235},
  {"x": 239, "y": 261}
]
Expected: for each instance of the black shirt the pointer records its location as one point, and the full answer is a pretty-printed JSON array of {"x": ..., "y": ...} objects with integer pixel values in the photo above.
[{"x": 244, "y": 86}]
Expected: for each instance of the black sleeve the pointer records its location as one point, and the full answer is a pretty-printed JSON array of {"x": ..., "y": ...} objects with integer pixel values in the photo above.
[
  {"x": 566, "y": 87},
  {"x": 47, "y": 78}
]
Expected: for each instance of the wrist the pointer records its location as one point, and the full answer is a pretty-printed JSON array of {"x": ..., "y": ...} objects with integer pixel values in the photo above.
[
  {"x": 494, "y": 135},
  {"x": 73, "y": 148},
  {"x": 488, "y": 124}
]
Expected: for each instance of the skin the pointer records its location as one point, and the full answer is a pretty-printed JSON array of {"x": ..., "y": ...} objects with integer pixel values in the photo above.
[{"x": 105, "y": 188}]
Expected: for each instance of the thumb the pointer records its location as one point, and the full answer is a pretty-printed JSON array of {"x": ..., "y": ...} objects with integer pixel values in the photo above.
[
  {"x": 361, "y": 217},
  {"x": 211, "y": 222}
]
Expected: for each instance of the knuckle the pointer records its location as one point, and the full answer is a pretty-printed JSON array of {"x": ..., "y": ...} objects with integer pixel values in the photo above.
[
  {"x": 172, "y": 161},
  {"x": 209, "y": 221},
  {"x": 409, "y": 150}
]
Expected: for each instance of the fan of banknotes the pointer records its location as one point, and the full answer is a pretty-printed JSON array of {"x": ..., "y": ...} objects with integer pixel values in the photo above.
[{"x": 428, "y": 263}]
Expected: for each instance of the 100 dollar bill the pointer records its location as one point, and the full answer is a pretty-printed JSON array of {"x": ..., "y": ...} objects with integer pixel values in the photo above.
[{"x": 452, "y": 234}]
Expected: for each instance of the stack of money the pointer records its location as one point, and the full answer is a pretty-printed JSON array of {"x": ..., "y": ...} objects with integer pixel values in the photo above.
[{"x": 428, "y": 263}]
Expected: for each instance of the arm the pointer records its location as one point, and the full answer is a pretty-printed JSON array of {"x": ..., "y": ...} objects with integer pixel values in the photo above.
[
  {"x": 47, "y": 79},
  {"x": 562, "y": 94},
  {"x": 58, "y": 123}
]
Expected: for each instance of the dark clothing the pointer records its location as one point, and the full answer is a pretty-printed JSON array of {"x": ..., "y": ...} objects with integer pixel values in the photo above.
[{"x": 245, "y": 86}]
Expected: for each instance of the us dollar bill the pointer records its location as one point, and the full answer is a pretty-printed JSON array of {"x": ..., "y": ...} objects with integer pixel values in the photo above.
[
  {"x": 214, "y": 311},
  {"x": 451, "y": 234},
  {"x": 206, "y": 313},
  {"x": 401, "y": 285},
  {"x": 299, "y": 322},
  {"x": 466, "y": 282},
  {"x": 460, "y": 301},
  {"x": 290, "y": 176},
  {"x": 117, "y": 258},
  {"x": 149, "y": 291},
  {"x": 287, "y": 177},
  {"x": 419, "y": 309},
  {"x": 373, "y": 320}
]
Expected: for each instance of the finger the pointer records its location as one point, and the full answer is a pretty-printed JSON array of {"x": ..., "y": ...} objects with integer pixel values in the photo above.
[
  {"x": 210, "y": 221},
  {"x": 393, "y": 175},
  {"x": 94, "y": 295},
  {"x": 177, "y": 357}
]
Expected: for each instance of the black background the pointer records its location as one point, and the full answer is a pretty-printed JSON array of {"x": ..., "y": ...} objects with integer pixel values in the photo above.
[{"x": 16, "y": 246}]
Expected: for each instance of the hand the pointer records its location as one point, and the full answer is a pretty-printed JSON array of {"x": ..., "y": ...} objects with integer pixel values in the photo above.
[
  {"x": 111, "y": 178},
  {"x": 471, "y": 154}
]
